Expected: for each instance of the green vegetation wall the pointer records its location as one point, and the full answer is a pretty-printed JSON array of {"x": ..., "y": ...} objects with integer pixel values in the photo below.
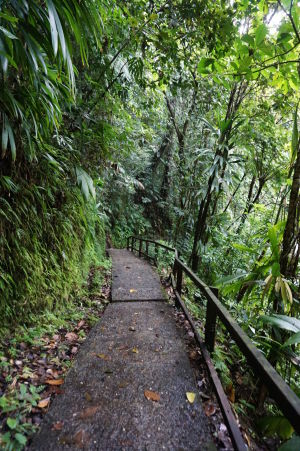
[{"x": 50, "y": 229}]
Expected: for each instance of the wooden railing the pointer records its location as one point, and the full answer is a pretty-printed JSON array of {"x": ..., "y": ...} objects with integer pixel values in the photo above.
[{"x": 287, "y": 401}]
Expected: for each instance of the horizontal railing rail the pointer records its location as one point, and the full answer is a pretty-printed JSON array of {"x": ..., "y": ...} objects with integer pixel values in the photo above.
[{"x": 287, "y": 401}]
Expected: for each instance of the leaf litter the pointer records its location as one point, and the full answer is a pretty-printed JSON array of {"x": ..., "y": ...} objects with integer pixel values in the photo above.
[
  {"x": 152, "y": 395},
  {"x": 39, "y": 365}
]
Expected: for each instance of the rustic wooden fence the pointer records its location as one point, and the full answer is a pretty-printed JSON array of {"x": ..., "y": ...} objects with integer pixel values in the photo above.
[{"x": 287, "y": 401}]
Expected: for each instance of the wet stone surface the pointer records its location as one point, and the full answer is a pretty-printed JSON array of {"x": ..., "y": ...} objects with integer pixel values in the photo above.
[{"x": 136, "y": 346}]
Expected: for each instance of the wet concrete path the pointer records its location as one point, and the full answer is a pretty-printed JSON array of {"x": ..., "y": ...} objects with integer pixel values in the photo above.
[{"x": 127, "y": 388}]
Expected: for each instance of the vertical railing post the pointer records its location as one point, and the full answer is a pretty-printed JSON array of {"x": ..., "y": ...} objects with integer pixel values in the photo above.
[
  {"x": 156, "y": 253},
  {"x": 147, "y": 248},
  {"x": 175, "y": 264},
  {"x": 127, "y": 243},
  {"x": 132, "y": 243},
  {"x": 175, "y": 268},
  {"x": 179, "y": 279},
  {"x": 210, "y": 323},
  {"x": 140, "y": 248}
]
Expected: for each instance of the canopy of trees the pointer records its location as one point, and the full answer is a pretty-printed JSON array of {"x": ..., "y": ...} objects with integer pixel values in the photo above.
[{"x": 176, "y": 119}]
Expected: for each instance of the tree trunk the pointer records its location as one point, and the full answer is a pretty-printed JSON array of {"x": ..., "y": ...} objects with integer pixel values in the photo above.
[
  {"x": 291, "y": 222},
  {"x": 236, "y": 96}
]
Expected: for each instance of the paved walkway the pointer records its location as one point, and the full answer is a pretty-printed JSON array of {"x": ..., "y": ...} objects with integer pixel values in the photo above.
[{"x": 127, "y": 388}]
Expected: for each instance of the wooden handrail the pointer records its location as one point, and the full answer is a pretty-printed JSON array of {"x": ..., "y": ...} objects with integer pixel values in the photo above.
[{"x": 288, "y": 402}]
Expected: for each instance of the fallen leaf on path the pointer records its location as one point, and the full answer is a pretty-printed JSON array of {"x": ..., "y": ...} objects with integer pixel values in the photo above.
[
  {"x": 132, "y": 328},
  {"x": 88, "y": 412},
  {"x": 151, "y": 395},
  {"x": 123, "y": 384},
  {"x": 88, "y": 397},
  {"x": 57, "y": 426},
  {"x": 193, "y": 355},
  {"x": 132, "y": 290},
  {"x": 103, "y": 356},
  {"x": 81, "y": 439},
  {"x": 71, "y": 336},
  {"x": 54, "y": 381},
  {"x": 209, "y": 409},
  {"x": 108, "y": 371},
  {"x": 190, "y": 396},
  {"x": 43, "y": 403},
  {"x": 135, "y": 350}
]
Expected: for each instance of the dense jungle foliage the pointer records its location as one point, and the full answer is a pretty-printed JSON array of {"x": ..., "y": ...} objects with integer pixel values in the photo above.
[{"x": 174, "y": 119}]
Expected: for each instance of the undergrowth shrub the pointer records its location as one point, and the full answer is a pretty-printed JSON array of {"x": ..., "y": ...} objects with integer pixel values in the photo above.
[{"x": 49, "y": 237}]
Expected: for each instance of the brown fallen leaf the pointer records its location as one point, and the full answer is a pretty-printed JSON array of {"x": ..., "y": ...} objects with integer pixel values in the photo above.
[
  {"x": 71, "y": 336},
  {"x": 230, "y": 392},
  {"x": 88, "y": 412},
  {"x": 193, "y": 355},
  {"x": 209, "y": 409},
  {"x": 103, "y": 356},
  {"x": 57, "y": 426},
  {"x": 88, "y": 397},
  {"x": 56, "y": 390},
  {"x": 43, "y": 403},
  {"x": 81, "y": 439},
  {"x": 152, "y": 395},
  {"x": 54, "y": 381},
  {"x": 123, "y": 384},
  {"x": 132, "y": 328}
]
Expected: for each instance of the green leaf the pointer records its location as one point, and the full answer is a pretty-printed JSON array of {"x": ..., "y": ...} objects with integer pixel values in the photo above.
[
  {"x": 280, "y": 322},
  {"x": 292, "y": 445},
  {"x": 9, "y": 18},
  {"x": 12, "y": 423},
  {"x": 86, "y": 184},
  {"x": 225, "y": 125},
  {"x": 249, "y": 39},
  {"x": 8, "y": 33},
  {"x": 4, "y": 137},
  {"x": 276, "y": 425},
  {"x": 12, "y": 142},
  {"x": 260, "y": 34},
  {"x": 60, "y": 33},
  {"x": 290, "y": 319},
  {"x": 243, "y": 247},
  {"x": 21, "y": 438},
  {"x": 276, "y": 269},
  {"x": 274, "y": 242},
  {"x": 53, "y": 29},
  {"x": 294, "y": 339},
  {"x": 229, "y": 279},
  {"x": 204, "y": 64}
]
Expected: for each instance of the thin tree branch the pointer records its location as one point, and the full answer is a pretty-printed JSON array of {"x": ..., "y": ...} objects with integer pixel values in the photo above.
[{"x": 289, "y": 14}]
